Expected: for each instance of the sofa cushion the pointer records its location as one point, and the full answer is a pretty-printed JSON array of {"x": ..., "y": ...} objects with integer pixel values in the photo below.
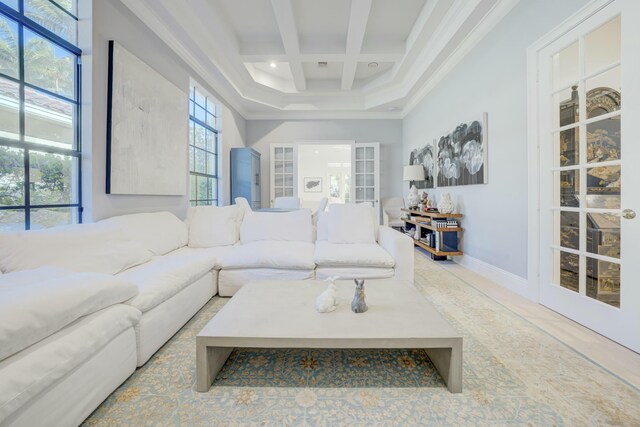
[
  {"x": 165, "y": 276},
  {"x": 322, "y": 226},
  {"x": 323, "y": 273},
  {"x": 37, "y": 303},
  {"x": 98, "y": 248},
  {"x": 351, "y": 223},
  {"x": 329, "y": 254},
  {"x": 284, "y": 255},
  {"x": 211, "y": 226},
  {"x": 160, "y": 232},
  {"x": 217, "y": 252},
  {"x": 295, "y": 226},
  {"x": 38, "y": 368}
]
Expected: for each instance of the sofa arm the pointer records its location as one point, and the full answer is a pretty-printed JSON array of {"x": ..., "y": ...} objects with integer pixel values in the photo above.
[{"x": 400, "y": 246}]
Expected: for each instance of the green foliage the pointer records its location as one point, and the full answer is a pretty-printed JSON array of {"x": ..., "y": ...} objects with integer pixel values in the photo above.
[
  {"x": 11, "y": 177},
  {"x": 52, "y": 68},
  {"x": 8, "y": 48}
]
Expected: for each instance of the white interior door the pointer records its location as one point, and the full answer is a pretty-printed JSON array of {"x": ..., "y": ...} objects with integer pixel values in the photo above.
[
  {"x": 283, "y": 171},
  {"x": 366, "y": 172},
  {"x": 589, "y": 110}
]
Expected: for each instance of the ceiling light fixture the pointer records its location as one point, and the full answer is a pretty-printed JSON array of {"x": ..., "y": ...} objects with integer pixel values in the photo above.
[
  {"x": 372, "y": 65},
  {"x": 273, "y": 64}
]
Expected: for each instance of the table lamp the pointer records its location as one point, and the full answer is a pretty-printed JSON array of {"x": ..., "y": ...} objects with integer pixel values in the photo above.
[{"x": 413, "y": 173}]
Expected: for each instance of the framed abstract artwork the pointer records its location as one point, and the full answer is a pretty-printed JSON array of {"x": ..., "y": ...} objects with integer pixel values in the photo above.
[
  {"x": 313, "y": 185},
  {"x": 425, "y": 156},
  {"x": 147, "y": 129},
  {"x": 462, "y": 154}
]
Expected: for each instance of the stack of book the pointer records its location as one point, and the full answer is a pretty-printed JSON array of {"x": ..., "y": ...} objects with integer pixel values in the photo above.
[
  {"x": 445, "y": 223},
  {"x": 446, "y": 242}
]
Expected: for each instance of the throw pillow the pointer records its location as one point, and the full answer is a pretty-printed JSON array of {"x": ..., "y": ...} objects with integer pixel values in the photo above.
[
  {"x": 351, "y": 223},
  {"x": 213, "y": 226}
]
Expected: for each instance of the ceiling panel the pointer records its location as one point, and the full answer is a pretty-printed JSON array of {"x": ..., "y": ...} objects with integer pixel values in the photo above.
[
  {"x": 322, "y": 25},
  {"x": 251, "y": 20},
  {"x": 278, "y": 78},
  {"x": 364, "y": 71},
  {"x": 389, "y": 23},
  {"x": 312, "y": 71}
]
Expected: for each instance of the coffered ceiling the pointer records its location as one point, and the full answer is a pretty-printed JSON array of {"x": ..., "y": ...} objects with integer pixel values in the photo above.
[{"x": 321, "y": 58}]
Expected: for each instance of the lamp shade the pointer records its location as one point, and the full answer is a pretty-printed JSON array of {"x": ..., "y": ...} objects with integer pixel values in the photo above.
[{"x": 413, "y": 173}]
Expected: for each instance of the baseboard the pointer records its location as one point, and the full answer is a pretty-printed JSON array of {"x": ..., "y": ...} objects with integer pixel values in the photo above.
[{"x": 513, "y": 282}]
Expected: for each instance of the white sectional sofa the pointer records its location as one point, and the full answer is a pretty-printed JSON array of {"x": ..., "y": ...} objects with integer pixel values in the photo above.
[
  {"x": 161, "y": 271},
  {"x": 271, "y": 246},
  {"x": 67, "y": 343}
]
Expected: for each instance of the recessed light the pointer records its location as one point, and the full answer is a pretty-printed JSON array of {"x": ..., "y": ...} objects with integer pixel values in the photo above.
[
  {"x": 316, "y": 152},
  {"x": 372, "y": 65},
  {"x": 273, "y": 64}
]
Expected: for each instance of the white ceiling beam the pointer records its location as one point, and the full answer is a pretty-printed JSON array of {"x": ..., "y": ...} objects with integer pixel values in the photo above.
[
  {"x": 283, "y": 11},
  {"x": 357, "y": 26},
  {"x": 326, "y": 57}
]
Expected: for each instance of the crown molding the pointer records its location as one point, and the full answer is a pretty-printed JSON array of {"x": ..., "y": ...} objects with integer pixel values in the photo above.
[
  {"x": 484, "y": 27},
  {"x": 247, "y": 98},
  {"x": 325, "y": 115},
  {"x": 149, "y": 17}
]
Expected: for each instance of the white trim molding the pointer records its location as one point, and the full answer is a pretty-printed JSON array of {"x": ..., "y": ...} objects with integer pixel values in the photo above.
[{"x": 506, "y": 279}]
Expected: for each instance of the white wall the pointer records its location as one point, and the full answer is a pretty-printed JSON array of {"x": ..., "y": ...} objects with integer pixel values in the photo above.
[
  {"x": 113, "y": 21},
  {"x": 261, "y": 133},
  {"x": 492, "y": 78},
  {"x": 230, "y": 135}
]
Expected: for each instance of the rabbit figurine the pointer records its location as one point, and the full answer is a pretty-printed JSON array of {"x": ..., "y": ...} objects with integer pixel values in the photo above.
[
  {"x": 359, "y": 305},
  {"x": 326, "y": 301}
]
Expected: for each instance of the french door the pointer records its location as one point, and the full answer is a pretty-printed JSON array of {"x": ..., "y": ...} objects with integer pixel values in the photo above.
[
  {"x": 589, "y": 112},
  {"x": 365, "y": 167},
  {"x": 282, "y": 171}
]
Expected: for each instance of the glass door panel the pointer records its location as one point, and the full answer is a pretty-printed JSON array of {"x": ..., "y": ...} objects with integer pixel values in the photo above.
[
  {"x": 587, "y": 270},
  {"x": 366, "y": 160},
  {"x": 282, "y": 171}
]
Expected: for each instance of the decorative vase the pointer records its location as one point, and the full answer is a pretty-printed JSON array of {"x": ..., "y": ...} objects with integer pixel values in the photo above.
[
  {"x": 413, "y": 199},
  {"x": 445, "y": 205}
]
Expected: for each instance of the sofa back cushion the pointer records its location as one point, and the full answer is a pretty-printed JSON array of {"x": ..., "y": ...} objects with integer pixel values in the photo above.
[
  {"x": 292, "y": 226},
  {"x": 211, "y": 226},
  {"x": 351, "y": 223},
  {"x": 160, "y": 232},
  {"x": 322, "y": 226},
  {"x": 98, "y": 248}
]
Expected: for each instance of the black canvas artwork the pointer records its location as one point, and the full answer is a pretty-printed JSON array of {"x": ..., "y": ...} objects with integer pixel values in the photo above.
[
  {"x": 462, "y": 155},
  {"x": 426, "y": 157}
]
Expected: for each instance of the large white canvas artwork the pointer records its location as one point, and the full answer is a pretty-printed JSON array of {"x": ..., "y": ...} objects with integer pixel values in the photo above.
[{"x": 147, "y": 129}]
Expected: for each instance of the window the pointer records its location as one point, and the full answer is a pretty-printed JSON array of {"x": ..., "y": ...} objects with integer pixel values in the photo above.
[
  {"x": 39, "y": 114},
  {"x": 203, "y": 149}
]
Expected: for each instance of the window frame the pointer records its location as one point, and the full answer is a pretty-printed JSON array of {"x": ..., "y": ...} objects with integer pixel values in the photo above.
[
  {"x": 209, "y": 108},
  {"x": 25, "y": 23}
]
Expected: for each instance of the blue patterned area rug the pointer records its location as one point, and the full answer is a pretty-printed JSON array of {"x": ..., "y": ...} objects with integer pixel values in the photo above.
[{"x": 514, "y": 374}]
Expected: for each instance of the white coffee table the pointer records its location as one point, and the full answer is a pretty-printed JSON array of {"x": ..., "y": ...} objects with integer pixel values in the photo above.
[{"x": 281, "y": 314}]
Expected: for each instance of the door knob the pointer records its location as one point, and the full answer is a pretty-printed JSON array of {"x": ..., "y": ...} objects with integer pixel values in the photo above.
[{"x": 628, "y": 214}]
